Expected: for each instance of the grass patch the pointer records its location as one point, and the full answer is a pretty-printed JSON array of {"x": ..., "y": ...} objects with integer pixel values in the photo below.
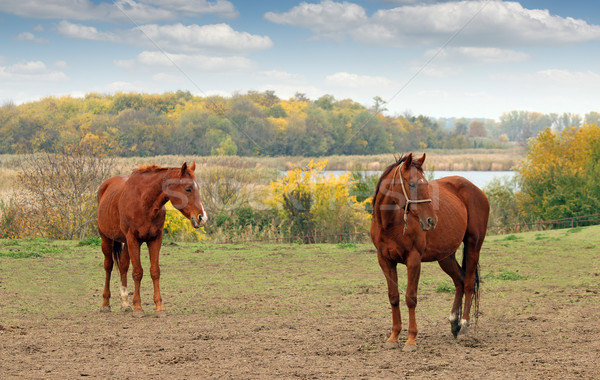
[
  {"x": 444, "y": 287},
  {"x": 92, "y": 241},
  {"x": 347, "y": 245},
  {"x": 507, "y": 275},
  {"x": 316, "y": 280},
  {"x": 511, "y": 237}
]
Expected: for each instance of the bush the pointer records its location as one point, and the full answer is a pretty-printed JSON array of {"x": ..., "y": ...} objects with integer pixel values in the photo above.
[
  {"x": 312, "y": 205},
  {"x": 177, "y": 227},
  {"x": 504, "y": 208},
  {"x": 56, "y": 197}
]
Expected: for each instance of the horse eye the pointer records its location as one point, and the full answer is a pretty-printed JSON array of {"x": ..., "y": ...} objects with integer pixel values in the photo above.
[
  {"x": 188, "y": 190},
  {"x": 412, "y": 185}
]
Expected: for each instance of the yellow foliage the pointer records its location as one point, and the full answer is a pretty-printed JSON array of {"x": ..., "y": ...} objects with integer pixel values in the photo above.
[
  {"x": 332, "y": 209},
  {"x": 294, "y": 106},
  {"x": 179, "y": 227},
  {"x": 279, "y": 122}
]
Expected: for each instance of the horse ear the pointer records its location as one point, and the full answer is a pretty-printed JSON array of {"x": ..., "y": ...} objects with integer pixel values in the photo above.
[
  {"x": 419, "y": 163},
  {"x": 193, "y": 167},
  {"x": 408, "y": 161},
  {"x": 184, "y": 168}
]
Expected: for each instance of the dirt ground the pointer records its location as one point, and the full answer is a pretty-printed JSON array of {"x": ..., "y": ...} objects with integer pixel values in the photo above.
[{"x": 548, "y": 341}]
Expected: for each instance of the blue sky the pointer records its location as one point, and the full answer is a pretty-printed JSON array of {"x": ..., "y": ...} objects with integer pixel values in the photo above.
[{"x": 475, "y": 58}]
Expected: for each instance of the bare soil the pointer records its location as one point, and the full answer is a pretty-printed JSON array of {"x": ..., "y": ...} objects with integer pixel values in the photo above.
[{"x": 553, "y": 335}]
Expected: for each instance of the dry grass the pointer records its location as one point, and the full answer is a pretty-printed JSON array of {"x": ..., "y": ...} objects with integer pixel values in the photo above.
[{"x": 269, "y": 167}]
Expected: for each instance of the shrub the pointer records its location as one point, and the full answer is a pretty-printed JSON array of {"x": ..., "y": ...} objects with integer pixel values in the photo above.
[
  {"x": 312, "y": 204},
  {"x": 178, "y": 227},
  {"x": 56, "y": 197}
]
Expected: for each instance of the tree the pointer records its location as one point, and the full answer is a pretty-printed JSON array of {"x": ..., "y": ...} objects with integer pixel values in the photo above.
[
  {"x": 477, "y": 129},
  {"x": 559, "y": 177}
]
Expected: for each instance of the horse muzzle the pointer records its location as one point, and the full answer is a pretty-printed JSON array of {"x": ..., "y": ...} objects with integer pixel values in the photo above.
[
  {"x": 199, "y": 220},
  {"x": 428, "y": 224}
]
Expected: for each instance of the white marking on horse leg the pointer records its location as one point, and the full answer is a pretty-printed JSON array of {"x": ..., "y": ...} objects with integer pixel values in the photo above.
[
  {"x": 124, "y": 302},
  {"x": 464, "y": 327},
  {"x": 452, "y": 317}
]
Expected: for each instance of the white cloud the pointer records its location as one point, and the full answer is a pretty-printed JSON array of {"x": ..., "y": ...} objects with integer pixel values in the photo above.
[
  {"x": 179, "y": 37},
  {"x": 475, "y": 23},
  {"x": 195, "y": 62},
  {"x": 68, "y": 29},
  {"x": 219, "y": 38},
  {"x": 29, "y": 71},
  {"x": 328, "y": 19},
  {"x": 280, "y": 76},
  {"x": 198, "y": 7},
  {"x": 61, "y": 64},
  {"x": 140, "y": 11},
  {"x": 565, "y": 78},
  {"x": 28, "y": 36},
  {"x": 348, "y": 80},
  {"x": 166, "y": 78},
  {"x": 477, "y": 54}
]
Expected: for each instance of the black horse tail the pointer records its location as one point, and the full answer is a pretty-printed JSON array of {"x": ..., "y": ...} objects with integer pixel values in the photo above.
[{"x": 117, "y": 250}]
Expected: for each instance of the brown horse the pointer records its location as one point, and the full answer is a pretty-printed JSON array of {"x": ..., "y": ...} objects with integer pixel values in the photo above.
[
  {"x": 417, "y": 221},
  {"x": 131, "y": 211}
]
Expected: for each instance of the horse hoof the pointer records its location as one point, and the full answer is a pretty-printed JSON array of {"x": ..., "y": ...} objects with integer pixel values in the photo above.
[
  {"x": 160, "y": 314},
  {"x": 138, "y": 313},
  {"x": 463, "y": 328},
  {"x": 105, "y": 309},
  {"x": 390, "y": 345},
  {"x": 409, "y": 348},
  {"x": 126, "y": 309},
  {"x": 455, "y": 328}
]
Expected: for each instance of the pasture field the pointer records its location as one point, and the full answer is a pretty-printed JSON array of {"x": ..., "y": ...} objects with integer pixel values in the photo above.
[{"x": 299, "y": 311}]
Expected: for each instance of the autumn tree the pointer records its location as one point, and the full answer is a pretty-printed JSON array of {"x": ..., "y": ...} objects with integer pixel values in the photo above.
[{"x": 560, "y": 174}]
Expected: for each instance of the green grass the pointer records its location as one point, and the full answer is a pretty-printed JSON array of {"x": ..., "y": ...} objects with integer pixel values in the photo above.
[{"x": 53, "y": 278}]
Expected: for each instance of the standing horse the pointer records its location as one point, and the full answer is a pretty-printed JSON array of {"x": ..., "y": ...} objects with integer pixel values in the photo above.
[
  {"x": 131, "y": 210},
  {"x": 417, "y": 221}
]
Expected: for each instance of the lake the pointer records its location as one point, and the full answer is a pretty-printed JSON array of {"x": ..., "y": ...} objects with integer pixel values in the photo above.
[{"x": 479, "y": 178}]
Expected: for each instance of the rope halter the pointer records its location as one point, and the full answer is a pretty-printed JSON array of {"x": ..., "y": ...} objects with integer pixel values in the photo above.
[{"x": 408, "y": 200}]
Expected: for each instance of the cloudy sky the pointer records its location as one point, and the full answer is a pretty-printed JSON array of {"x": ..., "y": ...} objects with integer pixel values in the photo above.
[{"x": 476, "y": 58}]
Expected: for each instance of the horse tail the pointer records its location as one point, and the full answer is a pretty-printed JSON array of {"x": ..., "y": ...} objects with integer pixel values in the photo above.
[{"x": 117, "y": 249}]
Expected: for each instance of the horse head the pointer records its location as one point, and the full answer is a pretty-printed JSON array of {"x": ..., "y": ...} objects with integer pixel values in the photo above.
[
  {"x": 183, "y": 192},
  {"x": 405, "y": 189}
]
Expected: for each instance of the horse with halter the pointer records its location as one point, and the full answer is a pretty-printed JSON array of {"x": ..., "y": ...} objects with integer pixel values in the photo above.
[
  {"x": 417, "y": 221},
  {"x": 131, "y": 211}
]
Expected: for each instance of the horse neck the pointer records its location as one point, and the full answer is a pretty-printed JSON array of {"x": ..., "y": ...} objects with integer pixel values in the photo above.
[
  {"x": 154, "y": 195},
  {"x": 388, "y": 218}
]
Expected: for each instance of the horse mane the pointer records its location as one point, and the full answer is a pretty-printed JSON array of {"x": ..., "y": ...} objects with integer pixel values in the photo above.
[
  {"x": 399, "y": 160},
  {"x": 149, "y": 169}
]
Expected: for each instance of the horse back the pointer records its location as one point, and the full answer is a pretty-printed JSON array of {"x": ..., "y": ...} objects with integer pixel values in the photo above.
[
  {"x": 462, "y": 210},
  {"x": 470, "y": 196}
]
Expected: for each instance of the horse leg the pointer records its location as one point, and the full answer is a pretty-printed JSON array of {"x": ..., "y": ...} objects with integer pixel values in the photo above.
[
  {"x": 123, "y": 269},
  {"x": 471, "y": 250},
  {"x": 391, "y": 275},
  {"x": 133, "y": 247},
  {"x": 107, "y": 248},
  {"x": 413, "y": 269},
  {"x": 154, "y": 249},
  {"x": 452, "y": 269}
]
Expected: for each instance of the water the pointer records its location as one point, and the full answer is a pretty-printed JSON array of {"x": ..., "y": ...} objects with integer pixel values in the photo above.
[{"x": 479, "y": 178}]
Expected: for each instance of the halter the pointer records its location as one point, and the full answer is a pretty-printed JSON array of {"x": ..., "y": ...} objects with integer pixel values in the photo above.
[{"x": 408, "y": 201}]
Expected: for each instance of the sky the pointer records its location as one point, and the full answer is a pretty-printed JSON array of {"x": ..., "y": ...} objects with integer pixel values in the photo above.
[{"x": 474, "y": 58}]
